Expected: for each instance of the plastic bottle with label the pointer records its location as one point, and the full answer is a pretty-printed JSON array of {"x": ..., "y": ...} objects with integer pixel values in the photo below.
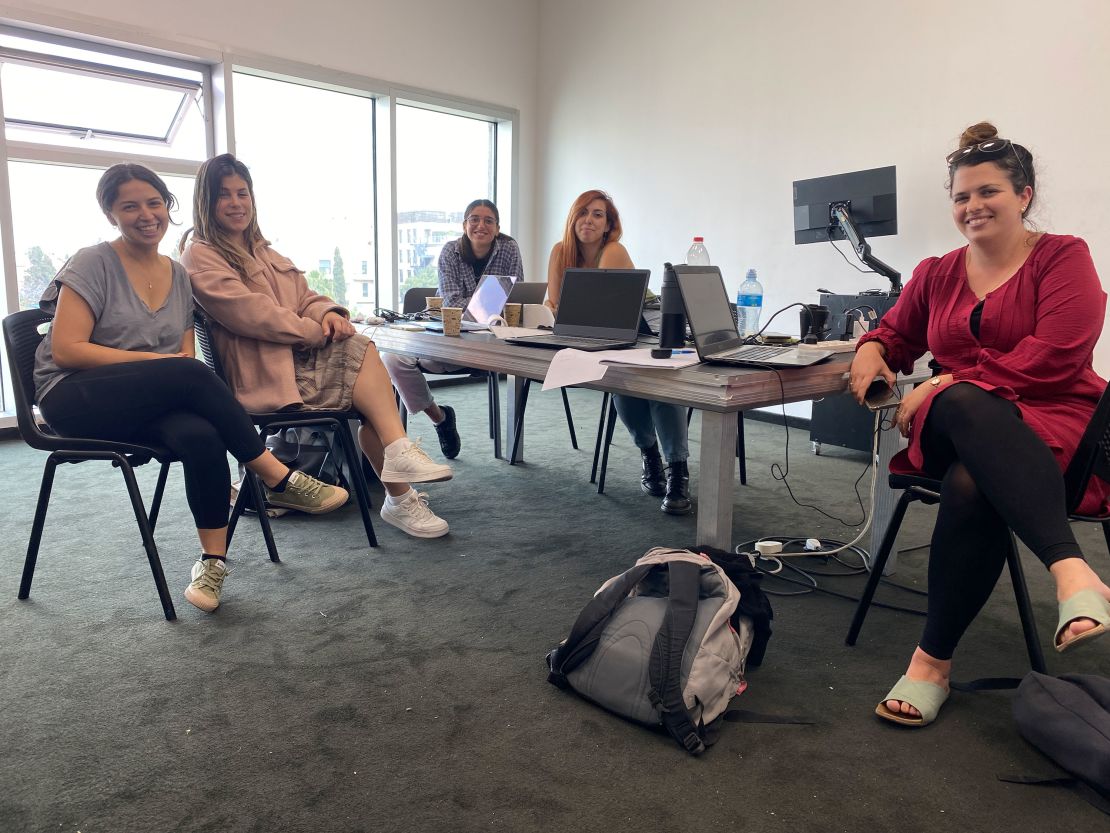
[
  {"x": 696, "y": 255},
  {"x": 749, "y": 303}
]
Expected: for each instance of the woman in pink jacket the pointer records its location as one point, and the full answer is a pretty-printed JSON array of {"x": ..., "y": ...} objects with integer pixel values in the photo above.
[
  {"x": 1012, "y": 319},
  {"x": 284, "y": 346}
]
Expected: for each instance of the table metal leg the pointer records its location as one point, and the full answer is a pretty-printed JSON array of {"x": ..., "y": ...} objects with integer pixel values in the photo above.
[
  {"x": 514, "y": 387},
  {"x": 716, "y": 479}
]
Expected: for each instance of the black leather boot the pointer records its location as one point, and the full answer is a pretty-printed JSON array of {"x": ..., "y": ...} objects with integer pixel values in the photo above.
[
  {"x": 677, "y": 500},
  {"x": 651, "y": 476}
]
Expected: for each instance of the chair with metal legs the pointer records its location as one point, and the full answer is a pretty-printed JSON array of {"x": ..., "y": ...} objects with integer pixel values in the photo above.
[
  {"x": 1092, "y": 457},
  {"x": 335, "y": 421},
  {"x": 21, "y": 340}
]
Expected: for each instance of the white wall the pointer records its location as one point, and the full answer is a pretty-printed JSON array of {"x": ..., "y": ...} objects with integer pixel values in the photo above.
[
  {"x": 698, "y": 116},
  {"x": 482, "y": 50}
]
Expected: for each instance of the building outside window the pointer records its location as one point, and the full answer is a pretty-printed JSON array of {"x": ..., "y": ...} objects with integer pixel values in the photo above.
[{"x": 444, "y": 161}]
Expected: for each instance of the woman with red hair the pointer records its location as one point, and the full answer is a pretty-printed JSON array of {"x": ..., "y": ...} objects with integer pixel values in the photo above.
[{"x": 591, "y": 240}]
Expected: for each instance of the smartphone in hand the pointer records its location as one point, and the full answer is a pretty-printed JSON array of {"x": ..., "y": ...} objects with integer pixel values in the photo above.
[{"x": 881, "y": 396}]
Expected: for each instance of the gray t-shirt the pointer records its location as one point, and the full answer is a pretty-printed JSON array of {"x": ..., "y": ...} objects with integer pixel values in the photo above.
[{"x": 122, "y": 318}]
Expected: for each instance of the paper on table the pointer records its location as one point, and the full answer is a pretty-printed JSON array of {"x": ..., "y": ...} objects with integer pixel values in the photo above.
[
  {"x": 641, "y": 357},
  {"x": 502, "y": 331},
  {"x": 574, "y": 367}
]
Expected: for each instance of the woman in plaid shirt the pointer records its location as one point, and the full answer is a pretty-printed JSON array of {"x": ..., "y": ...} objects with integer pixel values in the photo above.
[{"x": 482, "y": 250}]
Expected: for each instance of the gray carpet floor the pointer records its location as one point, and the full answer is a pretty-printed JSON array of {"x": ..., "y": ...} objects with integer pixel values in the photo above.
[{"x": 403, "y": 688}]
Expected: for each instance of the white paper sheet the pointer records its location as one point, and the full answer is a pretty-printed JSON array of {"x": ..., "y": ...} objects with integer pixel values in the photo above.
[
  {"x": 641, "y": 357},
  {"x": 575, "y": 367},
  {"x": 503, "y": 332}
]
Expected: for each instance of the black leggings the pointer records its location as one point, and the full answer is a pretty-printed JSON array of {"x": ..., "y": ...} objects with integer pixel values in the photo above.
[
  {"x": 996, "y": 475},
  {"x": 176, "y": 403}
]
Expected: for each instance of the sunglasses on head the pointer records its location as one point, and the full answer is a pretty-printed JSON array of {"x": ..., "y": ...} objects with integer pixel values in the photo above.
[{"x": 987, "y": 148}]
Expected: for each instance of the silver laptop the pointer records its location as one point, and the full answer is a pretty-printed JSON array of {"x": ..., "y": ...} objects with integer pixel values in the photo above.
[
  {"x": 715, "y": 336},
  {"x": 599, "y": 309},
  {"x": 528, "y": 293},
  {"x": 487, "y": 301}
]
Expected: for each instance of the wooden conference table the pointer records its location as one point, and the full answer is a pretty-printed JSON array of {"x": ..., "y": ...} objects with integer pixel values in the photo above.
[{"x": 718, "y": 391}]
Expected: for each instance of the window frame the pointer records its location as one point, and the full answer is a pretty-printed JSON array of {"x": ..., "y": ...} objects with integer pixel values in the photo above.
[{"x": 218, "y": 99}]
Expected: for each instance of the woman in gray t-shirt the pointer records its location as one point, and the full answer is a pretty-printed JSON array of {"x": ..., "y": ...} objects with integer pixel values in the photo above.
[{"x": 118, "y": 364}]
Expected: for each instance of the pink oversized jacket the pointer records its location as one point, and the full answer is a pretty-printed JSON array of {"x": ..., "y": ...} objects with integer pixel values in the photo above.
[{"x": 259, "y": 322}]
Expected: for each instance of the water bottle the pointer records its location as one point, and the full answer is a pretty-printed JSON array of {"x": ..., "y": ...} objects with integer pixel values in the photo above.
[
  {"x": 749, "y": 302},
  {"x": 697, "y": 255}
]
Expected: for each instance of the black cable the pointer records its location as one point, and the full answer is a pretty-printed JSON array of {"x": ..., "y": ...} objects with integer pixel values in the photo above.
[
  {"x": 752, "y": 338},
  {"x": 781, "y": 474},
  {"x": 839, "y": 252},
  {"x": 794, "y": 548},
  {"x": 812, "y": 587}
]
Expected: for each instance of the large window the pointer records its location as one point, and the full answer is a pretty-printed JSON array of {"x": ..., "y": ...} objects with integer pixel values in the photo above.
[
  {"x": 70, "y": 111},
  {"x": 444, "y": 162},
  {"x": 58, "y": 214},
  {"x": 366, "y": 215},
  {"x": 313, "y": 173}
]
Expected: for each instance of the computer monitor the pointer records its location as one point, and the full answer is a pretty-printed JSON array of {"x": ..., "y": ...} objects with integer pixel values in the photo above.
[{"x": 851, "y": 207}]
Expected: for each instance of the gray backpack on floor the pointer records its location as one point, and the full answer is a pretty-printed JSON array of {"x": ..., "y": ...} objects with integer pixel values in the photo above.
[{"x": 655, "y": 645}]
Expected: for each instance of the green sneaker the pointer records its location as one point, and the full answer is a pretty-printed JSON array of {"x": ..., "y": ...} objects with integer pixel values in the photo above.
[
  {"x": 208, "y": 580},
  {"x": 307, "y": 494}
]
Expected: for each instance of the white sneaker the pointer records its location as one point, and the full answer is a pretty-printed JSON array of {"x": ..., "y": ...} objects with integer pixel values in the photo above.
[
  {"x": 406, "y": 462},
  {"x": 412, "y": 515}
]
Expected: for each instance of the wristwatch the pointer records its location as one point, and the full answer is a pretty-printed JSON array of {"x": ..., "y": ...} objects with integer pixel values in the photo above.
[{"x": 935, "y": 381}]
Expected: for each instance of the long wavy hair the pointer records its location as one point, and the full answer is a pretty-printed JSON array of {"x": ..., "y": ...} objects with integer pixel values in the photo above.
[
  {"x": 209, "y": 178},
  {"x": 572, "y": 250}
]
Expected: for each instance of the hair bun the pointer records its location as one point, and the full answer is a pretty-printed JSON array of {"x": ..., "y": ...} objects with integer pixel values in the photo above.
[{"x": 981, "y": 132}]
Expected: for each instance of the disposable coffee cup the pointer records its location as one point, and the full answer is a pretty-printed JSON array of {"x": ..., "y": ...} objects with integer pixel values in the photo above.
[
  {"x": 452, "y": 321},
  {"x": 434, "y": 302},
  {"x": 513, "y": 314}
]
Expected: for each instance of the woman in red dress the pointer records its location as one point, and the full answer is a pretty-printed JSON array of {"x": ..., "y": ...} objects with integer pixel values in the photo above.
[{"x": 1012, "y": 319}]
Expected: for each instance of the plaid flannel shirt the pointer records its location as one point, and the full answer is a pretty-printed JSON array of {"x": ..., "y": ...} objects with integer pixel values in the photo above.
[{"x": 457, "y": 280}]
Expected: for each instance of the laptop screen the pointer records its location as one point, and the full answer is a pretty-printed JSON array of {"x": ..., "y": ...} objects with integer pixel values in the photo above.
[
  {"x": 489, "y": 298},
  {"x": 608, "y": 300},
  {"x": 707, "y": 309}
]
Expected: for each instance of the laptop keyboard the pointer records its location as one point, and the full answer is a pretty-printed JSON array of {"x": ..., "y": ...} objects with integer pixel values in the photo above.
[
  {"x": 752, "y": 353},
  {"x": 573, "y": 341}
]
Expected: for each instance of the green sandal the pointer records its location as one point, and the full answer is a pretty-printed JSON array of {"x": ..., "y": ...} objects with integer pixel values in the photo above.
[
  {"x": 926, "y": 697},
  {"x": 1086, "y": 604}
]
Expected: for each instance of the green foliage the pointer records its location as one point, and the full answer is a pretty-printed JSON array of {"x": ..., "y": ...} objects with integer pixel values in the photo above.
[
  {"x": 319, "y": 283},
  {"x": 340, "y": 279},
  {"x": 424, "y": 276},
  {"x": 36, "y": 278}
]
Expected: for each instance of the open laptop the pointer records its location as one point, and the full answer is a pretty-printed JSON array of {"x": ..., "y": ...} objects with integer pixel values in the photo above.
[
  {"x": 714, "y": 329},
  {"x": 487, "y": 301},
  {"x": 599, "y": 309},
  {"x": 528, "y": 293}
]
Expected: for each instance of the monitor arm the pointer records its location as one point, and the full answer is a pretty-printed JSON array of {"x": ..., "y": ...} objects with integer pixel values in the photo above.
[{"x": 840, "y": 214}]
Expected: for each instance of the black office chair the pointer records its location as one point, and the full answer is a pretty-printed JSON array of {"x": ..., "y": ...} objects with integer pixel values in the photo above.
[
  {"x": 416, "y": 298},
  {"x": 607, "y": 422},
  {"x": 1092, "y": 457},
  {"x": 335, "y": 421},
  {"x": 21, "y": 340}
]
